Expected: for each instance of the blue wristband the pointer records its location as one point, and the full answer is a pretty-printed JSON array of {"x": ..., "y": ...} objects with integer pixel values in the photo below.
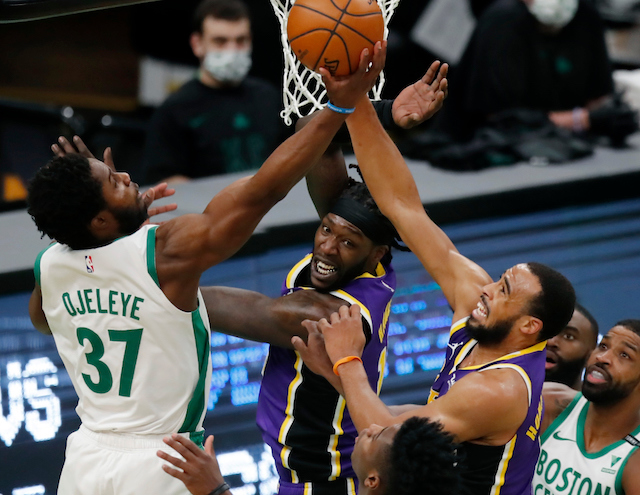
[{"x": 331, "y": 106}]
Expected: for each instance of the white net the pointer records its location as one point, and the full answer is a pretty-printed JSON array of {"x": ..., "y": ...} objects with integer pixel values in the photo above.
[{"x": 302, "y": 89}]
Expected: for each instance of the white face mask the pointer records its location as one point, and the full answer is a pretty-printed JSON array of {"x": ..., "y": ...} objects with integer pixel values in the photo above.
[
  {"x": 228, "y": 66},
  {"x": 553, "y": 13}
]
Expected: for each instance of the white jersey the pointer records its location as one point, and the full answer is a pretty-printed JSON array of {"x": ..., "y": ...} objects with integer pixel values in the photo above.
[
  {"x": 138, "y": 364},
  {"x": 566, "y": 468}
]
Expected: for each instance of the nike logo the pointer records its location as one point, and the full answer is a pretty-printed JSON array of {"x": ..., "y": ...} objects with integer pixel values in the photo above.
[{"x": 558, "y": 437}]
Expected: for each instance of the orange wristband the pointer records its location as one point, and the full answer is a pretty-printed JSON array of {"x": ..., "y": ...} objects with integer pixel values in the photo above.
[{"x": 344, "y": 360}]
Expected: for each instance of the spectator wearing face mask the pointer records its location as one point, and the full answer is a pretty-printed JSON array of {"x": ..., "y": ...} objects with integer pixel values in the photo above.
[
  {"x": 544, "y": 55},
  {"x": 221, "y": 121}
]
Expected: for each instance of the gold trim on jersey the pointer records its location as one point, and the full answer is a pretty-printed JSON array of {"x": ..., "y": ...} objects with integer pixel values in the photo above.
[
  {"x": 534, "y": 348},
  {"x": 502, "y": 467},
  {"x": 295, "y": 271},
  {"x": 336, "y": 467},
  {"x": 458, "y": 325},
  {"x": 385, "y": 320},
  {"x": 364, "y": 311},
  {"x": 380, "y": 272},
  {"x": 286, "y": 424},
  {"x": 463, "y": 354},
  {"x": 351, "y": 486},
  {"x": 381, "y": 365}
]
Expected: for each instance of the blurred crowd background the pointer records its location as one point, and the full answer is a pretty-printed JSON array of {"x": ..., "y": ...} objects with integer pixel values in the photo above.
[{"x": 102, "y": 74}]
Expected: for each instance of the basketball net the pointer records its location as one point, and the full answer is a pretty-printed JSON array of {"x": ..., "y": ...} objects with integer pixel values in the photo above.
[{"x": 302, "y": 89}]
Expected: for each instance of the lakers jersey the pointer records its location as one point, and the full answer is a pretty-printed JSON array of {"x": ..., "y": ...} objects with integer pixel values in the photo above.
[
  {"x": 138, "y": 364},
  {"x": 566, "y": 467},
  {"x": 504, "y": 469},
  {"x": 302, "y": 418}
]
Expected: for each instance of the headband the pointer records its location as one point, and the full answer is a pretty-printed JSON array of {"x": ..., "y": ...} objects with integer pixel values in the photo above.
[{"x": 375, "y": 227}]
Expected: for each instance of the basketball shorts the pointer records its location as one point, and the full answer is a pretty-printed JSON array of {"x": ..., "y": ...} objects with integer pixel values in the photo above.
[{"x": 116, "y": 464}]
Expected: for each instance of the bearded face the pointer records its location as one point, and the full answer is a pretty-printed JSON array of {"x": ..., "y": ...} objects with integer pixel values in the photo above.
[{"x": 493, "y": 334}]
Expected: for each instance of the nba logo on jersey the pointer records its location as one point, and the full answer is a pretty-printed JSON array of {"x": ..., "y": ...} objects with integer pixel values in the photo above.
[{"x": 89, "y": 263}]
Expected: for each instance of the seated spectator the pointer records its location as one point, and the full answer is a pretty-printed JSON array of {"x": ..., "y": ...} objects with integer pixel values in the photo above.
[
  {"x": 544, "y": 55},
  {"x": 221, "y": 121}
]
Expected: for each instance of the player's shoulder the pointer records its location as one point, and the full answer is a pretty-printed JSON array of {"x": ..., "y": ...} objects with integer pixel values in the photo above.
[{"x": 557, "y": 398}]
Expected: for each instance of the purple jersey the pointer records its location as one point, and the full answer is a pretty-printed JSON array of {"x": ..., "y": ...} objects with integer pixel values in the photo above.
[
  {"x": 302, "y": 418},
  {"x": 503, "y": 469}
]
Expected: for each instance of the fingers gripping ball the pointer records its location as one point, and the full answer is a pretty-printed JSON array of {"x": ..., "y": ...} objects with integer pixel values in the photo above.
[{"x": 333, "y": 33}]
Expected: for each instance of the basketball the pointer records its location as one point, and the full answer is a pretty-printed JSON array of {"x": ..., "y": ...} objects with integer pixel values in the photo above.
[{"x": 333, "y": 33}]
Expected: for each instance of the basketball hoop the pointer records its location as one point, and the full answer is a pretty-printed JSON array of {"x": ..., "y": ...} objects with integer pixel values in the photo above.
[{"x": 302, "y": 89}]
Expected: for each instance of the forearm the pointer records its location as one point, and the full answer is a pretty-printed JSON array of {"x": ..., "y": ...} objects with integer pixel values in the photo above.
[
  {"x": 365, "y": 407},
  {"x": 249, "y": 315},
  {"x": 382, "y": 165},
  {"x": 327, "y": 179},
  {"x": 402, "y": 409},
  {"x": 294, "y": 158}
]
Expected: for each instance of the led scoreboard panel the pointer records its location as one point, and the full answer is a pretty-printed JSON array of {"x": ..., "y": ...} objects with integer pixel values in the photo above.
[{"x": 597, "y": 247}]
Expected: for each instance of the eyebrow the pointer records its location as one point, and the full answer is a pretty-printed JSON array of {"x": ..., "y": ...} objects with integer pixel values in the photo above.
[{"x": 508, "y": 284}]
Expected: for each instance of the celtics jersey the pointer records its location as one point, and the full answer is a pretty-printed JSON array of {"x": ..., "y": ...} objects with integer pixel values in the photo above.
[
  {"x": 502, "y": 469},
  {"x": 302, "y": 418},
  {"x": 566, "y": 468},
  {"x": 138, "y": 364}
]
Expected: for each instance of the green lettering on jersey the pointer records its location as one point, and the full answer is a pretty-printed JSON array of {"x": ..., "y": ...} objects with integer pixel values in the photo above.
[
  {"x": 112, "y": 301},
  {"x": 125, "y": 302},
  {"x": 599, "y": 490},
  {"x": 81, "y": 311},
  {"x": 100, "y": 310},
  {"x": 585, "y": 481},
  {"x": 575, "y": 479},
  {"x": 88, "y": 300},
  {"x": 135, "y": 307},
  {"x": 553, "y": 469},
  {"x": 565, "y": 479},
  {"x": 66, "y": 300}
]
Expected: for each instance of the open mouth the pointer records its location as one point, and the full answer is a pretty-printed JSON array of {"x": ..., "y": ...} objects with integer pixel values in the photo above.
[
  {"x": 481, "y": 310},
  {"x": 596, "y": 375},
  {"x": 324, "y": 269}
]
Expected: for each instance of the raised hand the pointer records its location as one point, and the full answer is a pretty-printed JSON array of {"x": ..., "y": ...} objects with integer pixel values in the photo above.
[
  {"x": 160, "y": 191},
  {"x": 421, "y": 100},
  {"x": 345, "y": 91},
  {"x": 313, "y": 353},
  {"x": 343, "y": 334},
  {"x": 199, "y": 470},
  {"x": 63, "y": 146}
]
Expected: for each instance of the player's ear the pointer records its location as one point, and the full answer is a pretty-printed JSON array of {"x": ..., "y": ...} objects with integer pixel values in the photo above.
[
  {"x": 531, "y": 325},
  {"x": 102, "y": 224},
  {"x": 372, "y": 481},
  {"x": 378, "y": 253},
  {"x": 197, "y": 45}
]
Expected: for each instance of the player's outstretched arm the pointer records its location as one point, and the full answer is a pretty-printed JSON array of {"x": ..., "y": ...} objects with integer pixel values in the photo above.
[
  {"x": 488, "y": 406},
  {"x": 254, "y": 316},
  {"x": 198, "y": 470},
  {"x": 396, "y": 194},
  {"x": 192, "y": 243}
]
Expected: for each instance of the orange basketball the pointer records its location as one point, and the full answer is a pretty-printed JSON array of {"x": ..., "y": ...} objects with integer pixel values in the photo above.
[{"x": 333, "y": 33}]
